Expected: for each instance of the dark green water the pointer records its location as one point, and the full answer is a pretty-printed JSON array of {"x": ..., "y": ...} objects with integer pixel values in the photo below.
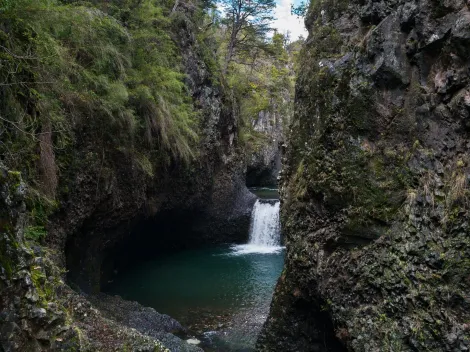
[
  {"x": 223, "y": 296},
  {"x": 265, "y": 192}
]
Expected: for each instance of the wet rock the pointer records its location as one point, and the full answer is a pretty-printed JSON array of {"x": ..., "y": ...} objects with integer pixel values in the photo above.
[
  {"x": 461, "y": 34},
  {"x": 134, "y": 315}
]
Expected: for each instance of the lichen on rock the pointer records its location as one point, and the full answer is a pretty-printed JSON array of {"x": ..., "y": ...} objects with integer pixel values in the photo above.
[{"x": 375, "y": 183}]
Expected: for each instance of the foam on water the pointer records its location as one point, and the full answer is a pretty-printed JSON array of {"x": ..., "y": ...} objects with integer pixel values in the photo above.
[{"x": 255, "y": 249}]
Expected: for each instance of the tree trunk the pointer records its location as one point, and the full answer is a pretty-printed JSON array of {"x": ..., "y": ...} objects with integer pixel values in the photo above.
[
  {"x": 231, "y": 44},
  {"x": 229, "y": 56},
  {"x": 177, "y": 2}
]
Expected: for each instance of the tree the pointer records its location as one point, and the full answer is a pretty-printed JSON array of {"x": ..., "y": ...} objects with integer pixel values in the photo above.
[
  {"x": 301, "y": 9},
  {"x": 246, "y": 19}
]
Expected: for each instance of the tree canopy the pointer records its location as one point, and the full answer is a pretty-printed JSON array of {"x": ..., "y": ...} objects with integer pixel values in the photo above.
[{"x": 247, "y": 20}]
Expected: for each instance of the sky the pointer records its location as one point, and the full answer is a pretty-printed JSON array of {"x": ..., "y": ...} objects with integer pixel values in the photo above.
[{"x": 286, "y": 22}]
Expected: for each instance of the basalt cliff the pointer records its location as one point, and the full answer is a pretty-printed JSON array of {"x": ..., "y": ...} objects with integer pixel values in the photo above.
[{"x": 375, "y": 183}]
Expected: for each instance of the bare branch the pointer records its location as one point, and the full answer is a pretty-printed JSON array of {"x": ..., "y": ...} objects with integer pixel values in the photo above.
[
  {"x": 18, "y": 83},
  {"x": 18, "y": 56}
]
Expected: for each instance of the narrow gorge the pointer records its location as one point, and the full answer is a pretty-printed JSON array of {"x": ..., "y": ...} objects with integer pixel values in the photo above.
[{"x": 188, "y": 176}]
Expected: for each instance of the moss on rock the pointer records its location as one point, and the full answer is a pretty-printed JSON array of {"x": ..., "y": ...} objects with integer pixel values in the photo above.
[{"x": 374, "y": 189}]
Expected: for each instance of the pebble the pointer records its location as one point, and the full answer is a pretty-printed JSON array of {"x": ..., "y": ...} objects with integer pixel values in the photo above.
[
  {"x": 193, "y": 341},
  {"x": 39, "y": 313}
]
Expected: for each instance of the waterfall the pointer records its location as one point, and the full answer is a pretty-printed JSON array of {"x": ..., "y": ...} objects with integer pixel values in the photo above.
[{"x": 265, "y": 229}]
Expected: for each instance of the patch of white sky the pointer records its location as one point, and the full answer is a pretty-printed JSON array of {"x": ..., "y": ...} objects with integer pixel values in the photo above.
[{"x": 286, "y": 22}]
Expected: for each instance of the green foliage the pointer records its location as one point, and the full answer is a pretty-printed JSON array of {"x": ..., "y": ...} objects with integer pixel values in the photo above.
[
  {"x": 110, "y": 69},
  {"x": 262, "y": 80},
  {"x": 300, "y": 10},
  {"x": 105, "y": 76},
  {"x": 247, "y": 22},
  {"x": 35, "y": 233}
]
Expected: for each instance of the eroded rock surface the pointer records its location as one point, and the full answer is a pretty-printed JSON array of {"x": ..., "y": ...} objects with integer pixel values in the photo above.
[
  {"x": 264, "y": 164},
  {"x": 375, "y": 186}
]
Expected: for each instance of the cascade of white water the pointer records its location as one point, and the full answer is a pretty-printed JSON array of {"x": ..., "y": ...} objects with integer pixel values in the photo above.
[{"x": 265, "y": 227}]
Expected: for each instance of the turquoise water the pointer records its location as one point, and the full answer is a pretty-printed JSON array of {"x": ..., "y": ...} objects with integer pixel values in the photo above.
[{"x": 221, "y": 294}]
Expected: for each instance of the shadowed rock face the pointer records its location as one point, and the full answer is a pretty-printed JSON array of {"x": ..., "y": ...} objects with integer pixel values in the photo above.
[
  {"x": 105, "y": 210},
  {"x": 39, "y": 312},
  {"x": 375, "y": 184},
  {"x": 264, "y": 163}
]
